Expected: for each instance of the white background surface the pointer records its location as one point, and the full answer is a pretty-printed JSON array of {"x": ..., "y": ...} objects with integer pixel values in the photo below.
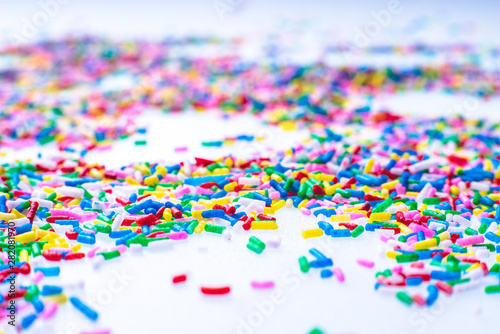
[{"x": 148, "y": 302}]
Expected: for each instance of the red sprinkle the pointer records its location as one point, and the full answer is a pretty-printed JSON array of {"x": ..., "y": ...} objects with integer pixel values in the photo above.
[
  {"x": 74, "y": 256},
  {"x": 419, "y": 300},
  {"x": 147, "y": 220},
  {"x": 445, "y": 287},
  {"x": 179, "y": 279}
]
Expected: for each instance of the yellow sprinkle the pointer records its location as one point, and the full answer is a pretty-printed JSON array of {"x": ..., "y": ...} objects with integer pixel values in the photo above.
[
  {"x": 161, "y": 170},
  {"x": 474, "y": 266},
  {"x": 302, "y": 204},
  {"x": 314, "y": 233},
  {"x": 59, "y": 299},
  {"x": 133, "y": 228},
  {"x": 23, "y": 256},
  {"x": 195, "y": 214},
  {"x": 426, "y": 244},
  {"x": 143, "y": 169},
  {"x": 330, "y": 190},
  {"x": 392, "y": 254},
  {"x": 264, "y": 225},
  {"x": 288, "y": 125},
  {"x": 444, "y": 236},
  {"x": 488, "y": 165},
  {"x": 157, "y": 194},
  {"x": 96, "y": 173},
  {"x": 151, "y": 180},
  {"x": 226, "y": 200},
  {"x": 130, "y": 180},
  {"x": 395, "y": 156},
  {"x": 48, "y": 190},
  {"x": 289, "y": 203},
  {"x": 220, "y": 171},
  {"x": 404, "y": 229},
  {"x": 369, "y": 166},
  {"x": 230, "y": 186},
  {"x": 7, "y": 216},
  {"x": 494, "y": 197},
  {"x": 76, "y": 201},
  {"x": 274, "y": 176},
  {"x": 390, "y": 185},
  {"x": 477, "y": 211},
  {"x": 26, "y": 237},
  {"x": 268, "y": 210},
  {"x": 17, "y": 214},
  {"x": 380, "y": 216},
  {"x": 322, "y": 177},
  {"x": 280, "y": 204}
]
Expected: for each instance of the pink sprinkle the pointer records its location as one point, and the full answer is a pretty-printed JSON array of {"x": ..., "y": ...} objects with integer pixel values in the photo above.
[
  {"x": 416, "y": 228},
  {"x": 22, "y": 307},
  {"x": 174, "y": 235},
  {"x": 477, "y": 239},
  {"x": 181, "y": 149},
  {"x": 170, "y": 178},
  {"x": 400, "y": 189},
  {"x": 262, "y": 285},
  {"x": 183, "y": 219},
  {"x": 91, "y": 253},
  {"x": 356, "y": 215},
  {"x": 103, "y": 147},
  {"x": 4, "y": 257},
  {"x": 274, "y": 195},
  {"x": 49, "y": 310},
  {"x": 311, "y": 202},
  {"x": 365, "y": 263},
  {"x": 339, "y": 274},
  {"x": 62, "y": 212},
  {"x": 121, "y": 248},
  {"x": 37, "y": 277},
  {"x": 305, "y": 211},
  {"x": 397, "y": 269},
  {"x": 386, "y": 237}
]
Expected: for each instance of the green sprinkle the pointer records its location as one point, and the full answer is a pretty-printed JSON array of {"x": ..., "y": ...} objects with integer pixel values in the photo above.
[
  {"x": 401, "y": 258},
  {"x": 214, "y": 228},
  {"x": 492, "y": 289},
  {"x": 357, "y": 231},
  {"x": 257, "y": 242},
  {"x": 254, "y": 248},
  {"x": 432, "y": 200},
  {"x": 404, "y": 298},
  {"x": 304, "y": 264},
  {"x": 110, "y": 255}
]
